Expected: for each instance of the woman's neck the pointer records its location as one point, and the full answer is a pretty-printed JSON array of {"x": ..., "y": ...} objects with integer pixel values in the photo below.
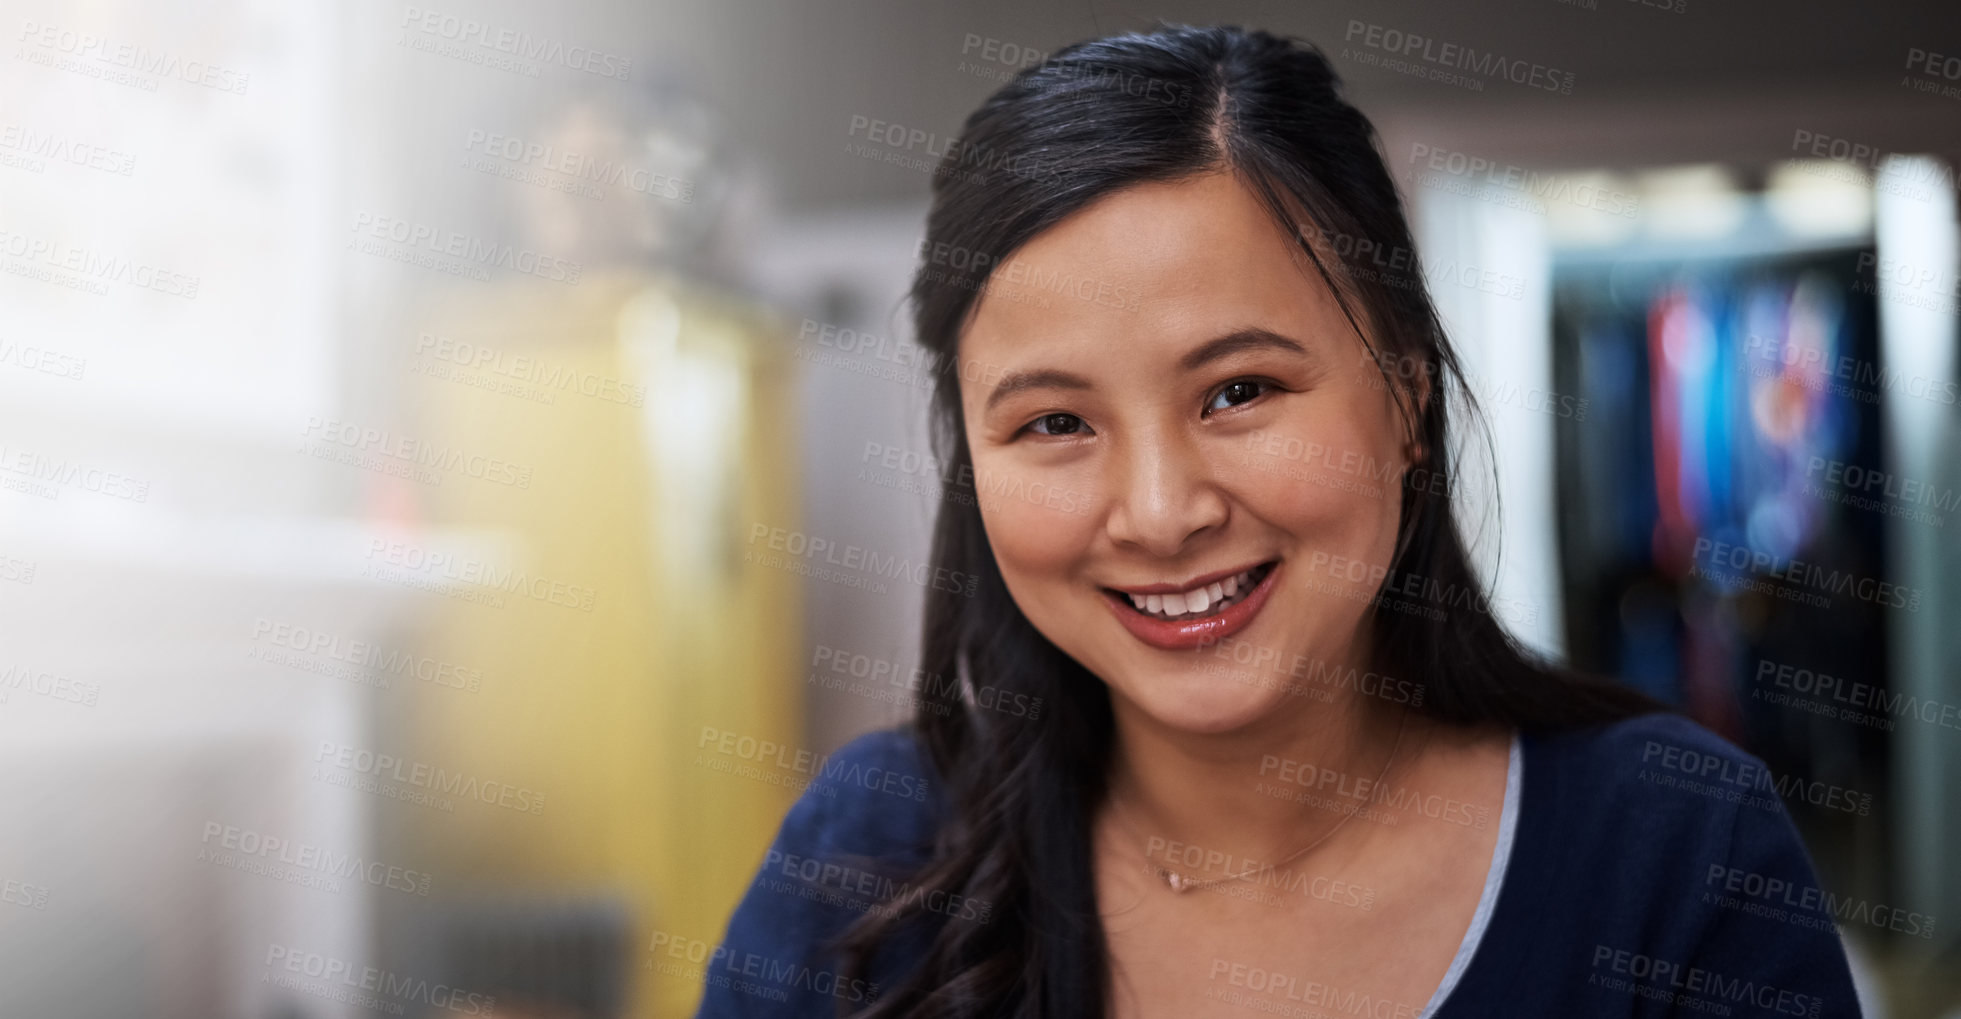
[{"x": 1251, "y": 797}]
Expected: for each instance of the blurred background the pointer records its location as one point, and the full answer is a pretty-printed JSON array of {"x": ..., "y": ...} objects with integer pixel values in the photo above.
[{"x": 405, "y": 413}]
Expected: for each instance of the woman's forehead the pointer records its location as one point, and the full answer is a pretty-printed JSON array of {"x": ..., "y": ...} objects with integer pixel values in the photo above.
[{"x": 1171, "y": 263}]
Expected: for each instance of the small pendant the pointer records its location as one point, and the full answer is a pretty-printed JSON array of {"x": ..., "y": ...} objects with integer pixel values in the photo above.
[{"x": 1175, "y": 880}]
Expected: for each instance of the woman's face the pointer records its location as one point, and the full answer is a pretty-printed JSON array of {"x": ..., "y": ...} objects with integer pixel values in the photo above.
[{"x": 1165, "y": 402}]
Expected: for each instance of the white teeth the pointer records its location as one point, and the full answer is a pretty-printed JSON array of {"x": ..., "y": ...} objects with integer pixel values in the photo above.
[{"x": 1196, "y": 601}]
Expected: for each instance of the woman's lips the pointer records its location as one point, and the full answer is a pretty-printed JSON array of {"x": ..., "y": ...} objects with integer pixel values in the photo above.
[{"x": 1185, "y": 634}]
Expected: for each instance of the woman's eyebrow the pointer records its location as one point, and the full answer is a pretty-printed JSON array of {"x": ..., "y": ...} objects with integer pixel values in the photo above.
[
  {"x": 1047, "y": 378},
  {"x": 1250, "y": 338}
]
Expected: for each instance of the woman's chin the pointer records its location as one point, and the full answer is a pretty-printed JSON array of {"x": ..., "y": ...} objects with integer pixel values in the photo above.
[{"x": 1212, "y": 710}]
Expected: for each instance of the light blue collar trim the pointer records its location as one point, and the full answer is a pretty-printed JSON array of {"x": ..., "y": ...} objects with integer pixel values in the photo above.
[{"x": 1501, "y": 854}]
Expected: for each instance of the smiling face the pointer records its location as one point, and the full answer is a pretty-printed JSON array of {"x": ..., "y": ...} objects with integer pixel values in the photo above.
[{"x": 1163, "y": 401}]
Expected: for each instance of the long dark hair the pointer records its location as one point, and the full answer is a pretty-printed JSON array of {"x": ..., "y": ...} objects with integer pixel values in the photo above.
[{"x": 1020, "y": 792}]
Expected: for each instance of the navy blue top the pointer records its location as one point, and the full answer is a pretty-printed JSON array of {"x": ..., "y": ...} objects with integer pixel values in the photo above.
[{"x": 1654, "y": 872}]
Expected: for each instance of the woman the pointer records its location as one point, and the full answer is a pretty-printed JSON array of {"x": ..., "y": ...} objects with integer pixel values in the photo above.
[{"x": 1226, "y": 723}]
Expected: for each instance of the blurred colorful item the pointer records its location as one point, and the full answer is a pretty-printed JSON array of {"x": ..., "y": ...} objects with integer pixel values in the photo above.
[{"x": 1757, "y": 375}]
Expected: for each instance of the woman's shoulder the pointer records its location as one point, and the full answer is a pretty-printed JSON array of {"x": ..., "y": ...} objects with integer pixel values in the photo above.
[
  {"x": 878, "y": 796},
  {"x": 865, "y": 819},
  {"x": 1656, "y": 785},
  {"x": 1637, "y": 835},
  {"x": 1637, "y": 731},
  {"x": 1658, "y": 755}
]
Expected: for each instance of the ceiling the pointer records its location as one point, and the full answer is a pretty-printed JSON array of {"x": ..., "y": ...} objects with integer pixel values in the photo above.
[{"x": 1720, "y": 79}]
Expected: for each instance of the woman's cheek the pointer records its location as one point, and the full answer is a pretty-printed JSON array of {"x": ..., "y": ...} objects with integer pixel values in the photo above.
[
  {"x": 1311, "y": 486},
  {"x": 1037, "y": 519},
  {"x": 1335, "y": 496}
]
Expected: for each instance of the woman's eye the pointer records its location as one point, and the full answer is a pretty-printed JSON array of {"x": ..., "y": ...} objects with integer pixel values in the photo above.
[
  {"x": 1235, "y": 393},
  {"x": 1056, "y": 424}
]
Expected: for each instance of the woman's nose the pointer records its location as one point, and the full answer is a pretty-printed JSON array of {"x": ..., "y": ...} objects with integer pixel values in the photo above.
[{"x": 1165, "y": 494}]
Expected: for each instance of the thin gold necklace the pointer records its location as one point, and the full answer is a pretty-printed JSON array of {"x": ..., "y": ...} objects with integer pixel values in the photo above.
[{"x": 1180, "y": 883}]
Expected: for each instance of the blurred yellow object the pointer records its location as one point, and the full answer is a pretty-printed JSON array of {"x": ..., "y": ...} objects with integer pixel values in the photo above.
[{"x": 655, "y": 422}]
